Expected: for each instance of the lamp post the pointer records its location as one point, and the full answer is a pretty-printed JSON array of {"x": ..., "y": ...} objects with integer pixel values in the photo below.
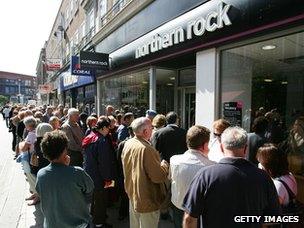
[{"x": 19, "y": 90}]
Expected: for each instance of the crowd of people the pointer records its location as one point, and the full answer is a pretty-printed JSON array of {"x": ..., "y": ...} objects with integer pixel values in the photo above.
[{"x": 77, "y": 164}]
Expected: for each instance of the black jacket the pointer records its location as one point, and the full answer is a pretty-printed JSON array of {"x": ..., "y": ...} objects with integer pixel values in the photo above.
[{"x": 169, "y": 141}]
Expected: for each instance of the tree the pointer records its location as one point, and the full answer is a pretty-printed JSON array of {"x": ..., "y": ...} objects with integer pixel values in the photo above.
[{"x": 3, "y": 100}]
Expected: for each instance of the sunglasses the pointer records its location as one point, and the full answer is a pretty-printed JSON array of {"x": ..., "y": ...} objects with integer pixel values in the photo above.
[{"x": 217, "y": 135}]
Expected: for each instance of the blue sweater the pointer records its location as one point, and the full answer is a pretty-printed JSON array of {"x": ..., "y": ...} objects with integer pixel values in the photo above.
[{"x": 65, "y": 193}]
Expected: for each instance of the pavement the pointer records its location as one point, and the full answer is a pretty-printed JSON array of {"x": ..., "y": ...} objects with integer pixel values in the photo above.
[{"x": 14, "y": 211}]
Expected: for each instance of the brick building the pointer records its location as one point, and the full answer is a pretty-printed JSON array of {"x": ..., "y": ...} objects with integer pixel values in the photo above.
[{"x": 19, "y": 88}]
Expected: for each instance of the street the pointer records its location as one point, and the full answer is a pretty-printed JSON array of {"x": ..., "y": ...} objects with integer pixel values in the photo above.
[{"x": 14, "y": 211}]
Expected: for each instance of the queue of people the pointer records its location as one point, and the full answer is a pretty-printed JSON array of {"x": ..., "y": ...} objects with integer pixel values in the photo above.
[{"x": 199, "y": 177}]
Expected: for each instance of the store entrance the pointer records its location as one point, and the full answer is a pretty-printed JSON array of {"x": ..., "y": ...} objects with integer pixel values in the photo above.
[{"x": 186, "y": 106}]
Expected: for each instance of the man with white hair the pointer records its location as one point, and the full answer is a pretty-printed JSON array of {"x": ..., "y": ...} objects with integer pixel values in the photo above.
[
  {"x": 144, "y": 176},
  {"x": 75, "y": 136},
  {"x": 231, "y": 188}
]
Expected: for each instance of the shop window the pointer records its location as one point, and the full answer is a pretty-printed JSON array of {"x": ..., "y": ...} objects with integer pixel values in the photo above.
[
  {"x": 266, "y": 79},
  {"x": 165, "y": 83},
  {"x": 130, "y": 92}
]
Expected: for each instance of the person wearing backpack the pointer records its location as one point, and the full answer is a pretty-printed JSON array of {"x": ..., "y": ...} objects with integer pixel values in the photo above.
[{"x": 275, "y": 163}]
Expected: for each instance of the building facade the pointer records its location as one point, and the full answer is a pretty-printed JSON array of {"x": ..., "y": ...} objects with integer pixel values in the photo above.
[
  {"x": 207, "y": 60},
  {"x": 233, "y": 59},
  {"x": 18, "y": 88}
]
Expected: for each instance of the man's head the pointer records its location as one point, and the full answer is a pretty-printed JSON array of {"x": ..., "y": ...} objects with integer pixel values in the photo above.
[
  {"x": 109, "y": 110},
  {"x": 260, "y": 125},
  {"x": 49, "y": 110},
  {"x": 172, "y": 118},
  {"x": 73, "y": 115},
  {"x": 30, "y": 123},
  {"x": 142, "y": 127},
  {"x": 151, "y": 114},
  {"x": 55, "y": 122},
  {"x": 128, "y": 118},
  {"x": 198, "y": 138},
  {"x": 103, "y": 126},
  {"x": 234, "y": 142},
  {"x": 54, "y": 147},
  {"x": 60, "y": 107}
]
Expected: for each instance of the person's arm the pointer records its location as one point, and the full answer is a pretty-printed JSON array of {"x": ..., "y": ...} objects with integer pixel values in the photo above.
[
  {"x": 156, "y": 170},
  {"x": 189, "y": 221},
  {"x": 194, "y": 201},
  {"x": 72, "y": 145},
  {"x": 87, "y": 184},
  {"x": 273, "y": 205}
]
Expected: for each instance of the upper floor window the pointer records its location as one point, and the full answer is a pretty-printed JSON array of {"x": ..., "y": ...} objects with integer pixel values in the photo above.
[
  {"x": 82, "y": 31},
  {"x": 102, "y": 7},
  {"x": 91, "y": 19},
  {"x": 67, "y": 15}
]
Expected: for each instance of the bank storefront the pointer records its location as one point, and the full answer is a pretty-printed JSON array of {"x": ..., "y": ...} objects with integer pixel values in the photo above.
[
  {"x": 232, "y": 59},
  {"x": 78, "y": 91}
]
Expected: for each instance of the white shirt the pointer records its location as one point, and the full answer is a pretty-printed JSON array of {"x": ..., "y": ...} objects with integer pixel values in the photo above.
[
  {"x": 282, "y": 191},
  {"x": 6, "y": 112},
  {"x": 215, "y": 152},
  {"x": 31, "y": 139},
  {"x": 182, "y": 170}
]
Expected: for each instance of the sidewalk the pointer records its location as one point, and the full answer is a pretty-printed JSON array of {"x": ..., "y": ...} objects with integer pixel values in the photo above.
[{"x": 14, "y": 211}]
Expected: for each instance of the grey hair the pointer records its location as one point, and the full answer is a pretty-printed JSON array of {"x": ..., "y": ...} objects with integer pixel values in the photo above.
[
  {"x": 72, "y": 111},
  {"x": 30, "y": 121},
  {"x": 139, "y": 124},
  {"x": 234, "y": 138}
]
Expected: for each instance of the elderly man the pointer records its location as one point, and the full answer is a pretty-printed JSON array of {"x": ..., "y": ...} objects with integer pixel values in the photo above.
[
  {"x": 75, "y": 136},
  {"x": 185, "y": 166},
  {"x": 230, "y": 188},
  {"x": 144, "y": 175}
]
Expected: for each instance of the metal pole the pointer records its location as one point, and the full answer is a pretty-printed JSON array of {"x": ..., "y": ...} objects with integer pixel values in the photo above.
[{"x": 152, "y": 88}]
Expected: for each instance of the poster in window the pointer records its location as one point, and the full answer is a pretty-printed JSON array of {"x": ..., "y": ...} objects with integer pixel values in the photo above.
[{"x": 233, "y": 113}]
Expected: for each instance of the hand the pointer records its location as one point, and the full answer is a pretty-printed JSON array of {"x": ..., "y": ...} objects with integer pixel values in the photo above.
[
  {"x": 164, "y": 163},
  {"x": 108, "y": 183},
  {"x": 67, "y": 160}
]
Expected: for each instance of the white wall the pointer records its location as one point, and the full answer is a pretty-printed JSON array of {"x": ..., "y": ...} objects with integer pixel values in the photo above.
[{"x": 205, "y": 87}]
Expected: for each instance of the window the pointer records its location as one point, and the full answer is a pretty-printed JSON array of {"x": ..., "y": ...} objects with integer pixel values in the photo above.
[
  {"x": 91, "y": 19},
  {"x": 72, "y": 7},
  {"x": 266, "y": 79},
  {"x": 102, "y": 7},
  {"x": 67, "y": 15},
  {"x": 82, "y": 31},
  {"x": 76, "y": 37},
  {"x": 131, "y": 90}
]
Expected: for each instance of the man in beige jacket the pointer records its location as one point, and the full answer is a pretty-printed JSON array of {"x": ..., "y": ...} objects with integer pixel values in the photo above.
[{"x": 144, "y": 175}]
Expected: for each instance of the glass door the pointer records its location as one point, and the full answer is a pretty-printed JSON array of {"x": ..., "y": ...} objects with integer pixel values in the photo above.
[{"x": 186, "y": 107}]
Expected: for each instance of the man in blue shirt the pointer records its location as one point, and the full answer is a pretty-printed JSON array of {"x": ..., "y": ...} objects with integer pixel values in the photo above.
[{"x": 65, "y": 191}]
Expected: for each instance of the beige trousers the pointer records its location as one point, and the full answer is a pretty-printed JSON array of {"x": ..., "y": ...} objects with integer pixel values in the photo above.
[
  {"x": 143, "y": 220},
  {"x": 32, "y": 182}
]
